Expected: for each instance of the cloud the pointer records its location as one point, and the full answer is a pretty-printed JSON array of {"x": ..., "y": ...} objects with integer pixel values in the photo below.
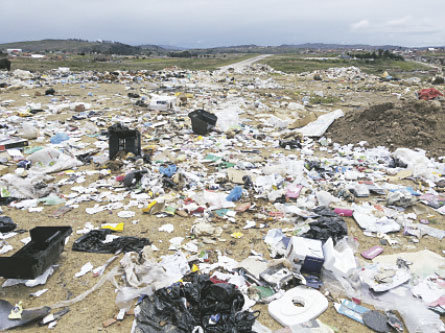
[
  {"x": 360, "y": 25},
  {"x": 226, "y": 22},
  {"x": 398, "y": 22}
]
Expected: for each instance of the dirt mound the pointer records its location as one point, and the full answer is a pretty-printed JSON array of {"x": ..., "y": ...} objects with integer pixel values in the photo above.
[{"x": 412, "y": 124}]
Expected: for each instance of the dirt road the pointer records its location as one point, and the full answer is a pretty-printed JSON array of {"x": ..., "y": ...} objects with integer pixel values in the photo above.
[{"x": 246, "y": 62}]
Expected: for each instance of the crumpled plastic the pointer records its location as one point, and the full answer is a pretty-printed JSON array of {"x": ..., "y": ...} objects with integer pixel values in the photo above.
[
  {"x": 198, "y": 306},
  {"x": 94, "y": 241},
  {"x": 143, "y": 275},
  {"x": 168, "y": 171},
  {"x": 326, "y": 226},
  {"x": 235, "y": 194},
  {"x": 59, "y": 138},
  {"x": 31, "y": 187},
  {"x": 429, "y": 94},
  {"x": 401, "y": 199},
  {"x": 6, "y": 224}
]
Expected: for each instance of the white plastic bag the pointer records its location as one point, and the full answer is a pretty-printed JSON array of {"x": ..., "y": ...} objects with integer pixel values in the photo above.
[{"x": 29, "y": 132}]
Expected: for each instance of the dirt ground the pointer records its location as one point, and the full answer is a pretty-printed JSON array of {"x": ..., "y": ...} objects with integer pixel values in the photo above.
[
  {"x": 88, "y": 315},
  {"x": 411, "y": 123}
]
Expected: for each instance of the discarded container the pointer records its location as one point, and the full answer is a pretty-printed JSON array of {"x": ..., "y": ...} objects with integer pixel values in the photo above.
[
  {"x": 279, "y": 277},
  {"x": 372, "y": 252},
  {"x": 35, "y": 257},
  {"x": 287, "y": 313},
  {"x": 202, "y": 121},
  {"x": 7, "y": 142},
  {"x": 121, "y": 138},
  {"x": 343, "y": 211},
  {"x": 307, "y": 253}
]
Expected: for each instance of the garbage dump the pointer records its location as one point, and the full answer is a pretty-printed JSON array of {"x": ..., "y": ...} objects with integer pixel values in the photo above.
[{"x": 221, "y": 201}]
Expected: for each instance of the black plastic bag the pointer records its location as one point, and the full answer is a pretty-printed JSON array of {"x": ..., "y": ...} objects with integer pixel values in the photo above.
[
  {"x": 181, "y": 308},
  {"x": 6, "y": 224},
  {"x": 93, "y": 242},
  {"x": 328, "y": 225}
]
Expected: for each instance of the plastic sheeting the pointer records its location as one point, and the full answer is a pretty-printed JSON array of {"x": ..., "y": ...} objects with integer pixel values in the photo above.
[{"x": 318, "y": 127}]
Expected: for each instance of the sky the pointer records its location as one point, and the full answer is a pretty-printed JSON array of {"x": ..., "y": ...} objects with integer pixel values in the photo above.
[{"x": 211, "y": 23}]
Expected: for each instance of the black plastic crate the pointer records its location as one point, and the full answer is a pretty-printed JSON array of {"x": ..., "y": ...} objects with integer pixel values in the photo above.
[
  {"x": 34, "y": 258},
  {"x": 121, "y": 138},
  {"x": 202, "y": 121}
]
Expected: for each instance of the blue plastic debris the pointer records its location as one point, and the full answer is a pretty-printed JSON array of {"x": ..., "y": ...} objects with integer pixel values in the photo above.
[
  {"x": 169, "y": 170},
  {"x": 235, "y": 194},
  {"x": 25, "y": 164},
  {"x": 59, "y": 138}
]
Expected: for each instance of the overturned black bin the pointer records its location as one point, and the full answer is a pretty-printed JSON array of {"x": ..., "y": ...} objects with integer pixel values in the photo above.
[
  {"x": 121, "y": 138},
  {"x": 34, "y": 258},
  {"x": 202, "y": 121}
]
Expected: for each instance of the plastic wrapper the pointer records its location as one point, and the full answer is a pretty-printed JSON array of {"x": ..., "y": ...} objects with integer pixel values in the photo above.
[{"x": 227, "y": 119}]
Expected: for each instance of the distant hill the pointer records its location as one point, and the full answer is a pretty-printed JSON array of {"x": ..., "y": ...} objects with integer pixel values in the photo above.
[
  {"x": 293, "y": 48},
  {"x": 109, "y": 47},
  {"x": 161, "y": 48},
  {"x": 80, "y": 46}
]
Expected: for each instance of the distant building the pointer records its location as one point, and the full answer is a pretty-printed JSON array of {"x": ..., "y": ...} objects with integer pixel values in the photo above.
[
  {"x": 13, "y": 51},
  {"x": 345, "y": 56}
]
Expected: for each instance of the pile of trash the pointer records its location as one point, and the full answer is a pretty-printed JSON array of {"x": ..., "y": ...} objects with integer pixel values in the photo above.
[
  {"x": 210, "y": 202},
  {"x": 347, "y": 73}
]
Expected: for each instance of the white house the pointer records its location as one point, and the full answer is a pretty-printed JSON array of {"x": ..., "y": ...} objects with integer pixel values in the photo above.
[{"x": 13, "y": 51}]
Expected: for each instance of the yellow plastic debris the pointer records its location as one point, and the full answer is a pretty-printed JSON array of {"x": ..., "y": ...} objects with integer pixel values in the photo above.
[
  {"x": 237, "y": 235},
  {"x": 149, "y": 207},
  {"x": 16, "y": 311},
  {"x": 119, "y": 227}
]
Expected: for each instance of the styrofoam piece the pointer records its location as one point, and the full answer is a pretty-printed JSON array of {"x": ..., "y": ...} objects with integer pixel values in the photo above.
[{"x": 286, "y": 313}]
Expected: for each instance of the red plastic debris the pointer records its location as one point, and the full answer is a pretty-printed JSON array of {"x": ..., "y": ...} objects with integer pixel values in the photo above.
[{"x": 429, "y": 94}]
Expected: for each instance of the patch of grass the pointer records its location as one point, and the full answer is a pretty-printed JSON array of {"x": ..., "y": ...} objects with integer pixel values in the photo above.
[
  {"x": 392, "y": 66},
  {"x": 324, "y": 100},
  {"x": 84, "y": 63},
  {"x": 296, "y": 63}
]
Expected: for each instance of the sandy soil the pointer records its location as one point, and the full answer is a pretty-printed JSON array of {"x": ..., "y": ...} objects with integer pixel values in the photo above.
[{"x": 88, "y": 315}]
